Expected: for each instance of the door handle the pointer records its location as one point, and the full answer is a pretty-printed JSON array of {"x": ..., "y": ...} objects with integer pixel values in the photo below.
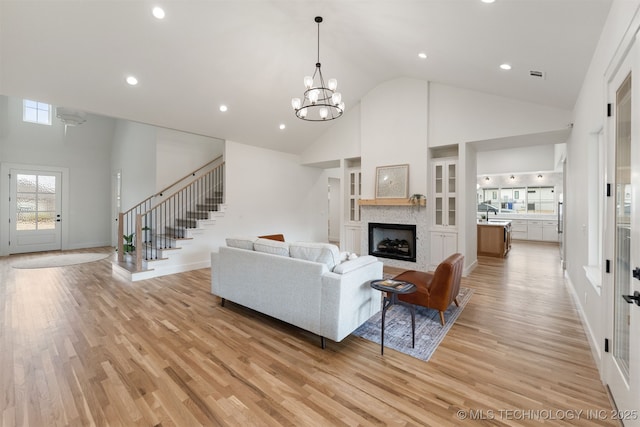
[{"x": 632, "y": 298}]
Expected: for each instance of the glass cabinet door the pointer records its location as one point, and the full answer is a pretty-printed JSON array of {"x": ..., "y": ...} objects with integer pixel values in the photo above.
[
  {"x": 451, "y": 175},
  {"x": 444, "y": 193},
  {"x": 355, "y": 188},
  {"x": 439, "y": 170}
]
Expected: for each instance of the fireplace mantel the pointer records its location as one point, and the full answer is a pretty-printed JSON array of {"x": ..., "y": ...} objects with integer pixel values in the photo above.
[{"x": 392, "y": 202}]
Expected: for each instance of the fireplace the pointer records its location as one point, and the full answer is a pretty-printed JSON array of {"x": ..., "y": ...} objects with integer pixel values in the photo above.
[{"x": 395, "y": 241}]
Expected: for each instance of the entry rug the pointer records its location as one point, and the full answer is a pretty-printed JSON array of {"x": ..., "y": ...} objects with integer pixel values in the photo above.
[
  {"x": 429, "y": 330},
  {"x": 48, "y": 261}
]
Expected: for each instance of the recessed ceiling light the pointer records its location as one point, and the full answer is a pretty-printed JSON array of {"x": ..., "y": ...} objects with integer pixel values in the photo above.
[
  {"x": 158, "y": 12},
  {"x": 282, "y": 126},
  {"x": 488, "y": 1},
  {"x": 223, "y": 108},
  {"x": 131, "y": 80},
  {"x": 505, "y": 66},
  {"x": 422, "y": 55}
]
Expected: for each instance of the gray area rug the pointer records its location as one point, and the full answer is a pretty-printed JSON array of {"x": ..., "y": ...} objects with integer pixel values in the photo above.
[
  {"x": 429, "y": 331},
  {"x": 48, "y": 261}
]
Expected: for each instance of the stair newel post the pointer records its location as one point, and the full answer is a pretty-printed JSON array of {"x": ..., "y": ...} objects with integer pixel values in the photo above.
[
  {"x": 148, "y": 221},
  {"x": 163, "y": 222},
  {"x": 139, "y": 238},
  {"x": 120, "y": 239}
]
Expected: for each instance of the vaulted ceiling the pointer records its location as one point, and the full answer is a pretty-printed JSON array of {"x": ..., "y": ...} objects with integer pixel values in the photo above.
[{"x": 251, "y": 55}]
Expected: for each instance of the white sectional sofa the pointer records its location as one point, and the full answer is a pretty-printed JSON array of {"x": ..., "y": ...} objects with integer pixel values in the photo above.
[{"x": 305, "y": 284}]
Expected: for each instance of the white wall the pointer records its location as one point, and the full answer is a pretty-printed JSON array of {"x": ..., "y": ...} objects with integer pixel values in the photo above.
[
  {"x": 134, "y": 154},
  {"x": 84, "y": 150},
  {"x": 515, "y": 160},
  {"x": 179, "y": 153},
  {"x": 270, "y": 192},
  {"x": 340, "y": 141},
  {"x": 394, "y": 118},
  {"x": 467, "y": 177},
  {"x": 459, "y": 115},
  {"x": 335, "y": 206},
  {"x": 589, "y": 116}
]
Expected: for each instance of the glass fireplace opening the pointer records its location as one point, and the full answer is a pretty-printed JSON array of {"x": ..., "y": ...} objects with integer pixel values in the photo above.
[{"x": 394, "y": 241}]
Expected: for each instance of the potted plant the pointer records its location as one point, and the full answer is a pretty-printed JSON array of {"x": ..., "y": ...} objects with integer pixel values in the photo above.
[
  {"x": 129, "y": 245},
  {"x": 416, "y": 199}
]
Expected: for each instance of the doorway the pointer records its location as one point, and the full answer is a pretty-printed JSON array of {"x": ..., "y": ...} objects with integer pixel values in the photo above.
[
  {"x": 35, "y": 205},
  {"x": 621, "y": 362},
  {"x": 35, "y": 199}
]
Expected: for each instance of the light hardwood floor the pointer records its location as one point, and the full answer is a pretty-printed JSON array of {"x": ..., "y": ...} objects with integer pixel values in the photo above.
[{"x": 79, "y": 347}]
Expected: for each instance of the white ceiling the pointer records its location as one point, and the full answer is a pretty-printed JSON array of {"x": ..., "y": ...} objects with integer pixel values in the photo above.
[{"x": 252, "y": 56}]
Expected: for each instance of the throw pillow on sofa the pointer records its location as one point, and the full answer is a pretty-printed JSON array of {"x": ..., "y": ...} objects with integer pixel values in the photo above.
[
  {"x": 271, "y": 247},
  {"x": 350, "y": 265},
  {"x": 241, "y": 242},
  {"x": 325, "y": 253}
]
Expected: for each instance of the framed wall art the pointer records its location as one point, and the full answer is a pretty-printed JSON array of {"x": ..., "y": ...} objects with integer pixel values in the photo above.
[{"x": 392, "y": 182}]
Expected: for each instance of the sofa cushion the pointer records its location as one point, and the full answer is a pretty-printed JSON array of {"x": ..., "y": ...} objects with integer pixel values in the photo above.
[
  {"x": 324, "y": 253},
  {"x": 241, "y": 242},
  {"x": 347, "y": 266},
  {"x": 271, "y": 247}
]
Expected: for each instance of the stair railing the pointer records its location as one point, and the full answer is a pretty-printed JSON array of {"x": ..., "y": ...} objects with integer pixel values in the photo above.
[
  {"x": 188, "y": 176},
  {"x": 169, "y": 219},
  {"x": 140, "y": 226}
]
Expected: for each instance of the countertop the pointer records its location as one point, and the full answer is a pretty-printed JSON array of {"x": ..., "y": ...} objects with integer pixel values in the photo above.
[{"x": 495, "y": 223}]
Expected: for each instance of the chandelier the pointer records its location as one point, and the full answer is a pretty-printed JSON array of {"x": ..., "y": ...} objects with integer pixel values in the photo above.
[{"x": 321, "y": 102}]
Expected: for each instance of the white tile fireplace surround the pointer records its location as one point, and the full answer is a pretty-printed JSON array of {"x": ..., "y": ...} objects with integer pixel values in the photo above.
[{"x": 412, "y": 215}]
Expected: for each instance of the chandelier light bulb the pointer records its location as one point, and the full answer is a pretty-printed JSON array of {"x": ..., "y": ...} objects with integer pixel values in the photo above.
[
  {"x": 296, "y": 103},
  {"x": 323, "y": 113},
  {"x": 313, "y": 96},
  {"x": 303, "y": 113},
  {"x": 341, "y": 106},
  {"x": 333, "y": 84},
  {"x": 336, "y": 98},
  {"x": 308, "y": 82}
]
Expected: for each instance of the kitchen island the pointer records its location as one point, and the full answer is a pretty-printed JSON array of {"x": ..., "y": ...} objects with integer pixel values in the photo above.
[{"x": 494, "y": 238}]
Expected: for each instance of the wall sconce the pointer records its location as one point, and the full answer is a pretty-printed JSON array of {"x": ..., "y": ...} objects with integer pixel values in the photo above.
[
  {"x": 512, "y": 177},
  {"x": 486, "y": 178},
  {"x": 539, "y": 176}
]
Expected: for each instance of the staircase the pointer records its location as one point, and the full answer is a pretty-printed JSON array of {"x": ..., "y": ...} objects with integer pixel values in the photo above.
[{"x": 167, "y": 234}]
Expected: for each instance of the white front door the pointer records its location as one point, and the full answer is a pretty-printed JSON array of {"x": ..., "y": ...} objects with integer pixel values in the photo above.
[
  {"x": 621, "y": 363},
  {"x": 35, "y": 211}
]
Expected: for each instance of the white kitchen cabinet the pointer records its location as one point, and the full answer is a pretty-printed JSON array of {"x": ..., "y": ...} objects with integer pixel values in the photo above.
[
  {"x": 442, "y": 245},
  {"x": 550, "y": 231},
  {"x": 444, "y": 193},
  {"x": 534, "y": 229},
  {"x": 519, "y": 229}
]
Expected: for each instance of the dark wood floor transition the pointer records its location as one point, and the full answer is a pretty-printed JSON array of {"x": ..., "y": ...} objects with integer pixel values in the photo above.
[{"x": 81, "y": 347}]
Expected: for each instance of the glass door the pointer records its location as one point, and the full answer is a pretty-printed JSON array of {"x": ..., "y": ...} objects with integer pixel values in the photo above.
[
  {"x": 35, "y": 204},
  {"x": 623, "y": 227},
  {"x": 622, "y": 362}
]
